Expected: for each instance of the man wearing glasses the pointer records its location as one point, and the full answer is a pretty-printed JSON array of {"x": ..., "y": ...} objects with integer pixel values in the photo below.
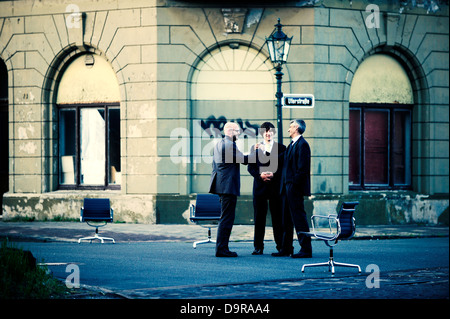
[{"x": 226, "y": 182}]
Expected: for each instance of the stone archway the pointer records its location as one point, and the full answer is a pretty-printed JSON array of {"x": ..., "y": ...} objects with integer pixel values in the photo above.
[
  {"x": 58, "y": 88},
  {"x": 230, "y": 83}
]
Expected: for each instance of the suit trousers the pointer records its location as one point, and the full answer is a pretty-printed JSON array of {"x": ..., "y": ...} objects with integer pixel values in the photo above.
[
  {"x": 228, "y": 208},
  {"x": 294, "y": 216},
  {"x": 260, "y": 205}
]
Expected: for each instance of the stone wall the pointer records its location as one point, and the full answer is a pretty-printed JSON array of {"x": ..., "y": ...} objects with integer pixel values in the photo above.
[{"x": 155, "y": 46}]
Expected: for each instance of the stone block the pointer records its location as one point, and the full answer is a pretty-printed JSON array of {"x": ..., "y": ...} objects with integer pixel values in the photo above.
[
  {"x": 33, "y": 60},
  {"x": 141, "y": 91},
  {"x": 27, "y": 183},
  {"x": 25, "y": 95},
  {"x": 352, "y": 21},
  {"x": 173, "y": 109},
  {"x": 149, "y": 16},
  {"x": 28, "y": 147},
  {"x": 124, "y": 20},
  {"x": 169, "y": 184},
  {"x": 140, "y": 110},
  {"x": 27, "y": 165},
  {"x": 142, "y": 184},
  {"x": 185, "y": 36},
  {"x": 97, "y": 31},
  {"x": 130, "y": 54},
  {"x": 141, "y": 146},
  {"x": 141, "y": 128},
  {"x": 27, "y": 130},
  {"x": 172, "y": 90},
  {"x": 178, "y": 72},
  {"x": 27, "y": 113},
  {"x": 438, "y": 94},
  {"x": 27, "y": 77},
  {"x": 18, "y": 60},
  {"x": 126, "y": 36},
  {"x": 327, "y": 184},
  {"x": 149, "y": 53}
]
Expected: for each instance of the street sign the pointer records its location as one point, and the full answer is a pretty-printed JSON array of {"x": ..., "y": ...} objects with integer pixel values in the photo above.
[{"x": 297, "y": 101}]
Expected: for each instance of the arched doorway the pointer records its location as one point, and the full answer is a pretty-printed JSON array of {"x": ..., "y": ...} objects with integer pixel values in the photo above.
[
  {"x": 88, "y": 125},
  {"x": 231, "y": 83},
  {"x": 380, "y": 125}
]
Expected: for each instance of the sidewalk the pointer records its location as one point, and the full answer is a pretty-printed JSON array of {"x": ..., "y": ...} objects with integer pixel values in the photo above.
[
  {"x": 162, "y": 272},
  {"x": 72, "y": 231}
]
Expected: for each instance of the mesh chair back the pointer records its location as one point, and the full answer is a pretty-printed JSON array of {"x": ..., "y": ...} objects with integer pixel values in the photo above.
[
  {"x": 346, "y": 222},
  {"x": 207, "y": 205}
]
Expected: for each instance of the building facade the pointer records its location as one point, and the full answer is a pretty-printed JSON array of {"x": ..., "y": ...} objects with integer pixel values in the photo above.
[{"x": 125, "y": 99}]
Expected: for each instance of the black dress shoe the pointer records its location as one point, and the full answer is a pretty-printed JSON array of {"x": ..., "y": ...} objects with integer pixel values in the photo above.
[
  {"x": 257, "y": 252},
  {"x": 302, "y": 254},
  {"x": 226, "y": 254},
  {"x": 281, "y": 254}
]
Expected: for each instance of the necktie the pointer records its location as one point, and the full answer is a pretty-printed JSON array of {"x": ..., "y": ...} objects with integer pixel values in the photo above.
[{"x": 289, "y": 148}]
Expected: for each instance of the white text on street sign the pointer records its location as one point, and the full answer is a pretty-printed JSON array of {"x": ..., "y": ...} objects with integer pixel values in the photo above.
[{"x": 297, "y": 101}]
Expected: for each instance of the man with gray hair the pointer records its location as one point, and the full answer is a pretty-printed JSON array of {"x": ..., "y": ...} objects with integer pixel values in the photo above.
[
  {"x": 226, "y": 182},
  {"x": 295, "y": 184}
]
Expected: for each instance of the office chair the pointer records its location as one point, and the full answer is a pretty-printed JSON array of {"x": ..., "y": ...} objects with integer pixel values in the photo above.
[
  {"x": 207, "y": 209},
  {"x": 345, "y": 229}
]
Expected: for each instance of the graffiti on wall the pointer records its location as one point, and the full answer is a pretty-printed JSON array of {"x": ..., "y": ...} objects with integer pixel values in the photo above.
[
  {"x": 197, "y": 145},
  {"x": 212, "y": 125}
]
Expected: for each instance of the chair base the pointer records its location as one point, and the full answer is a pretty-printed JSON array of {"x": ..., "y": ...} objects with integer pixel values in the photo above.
[
  {"x": 331, "y": 264},
  {"x": 206, "y": 241},
  {"x": 96, "y": 237},
  {"x": 203, "y": 242}
]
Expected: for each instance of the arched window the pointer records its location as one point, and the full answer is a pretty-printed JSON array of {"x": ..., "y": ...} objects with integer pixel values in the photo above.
[
  {"x": 381, "y": 101},
  {"x": 89, "y": 125},
  {"x": 233, "y": 74}
]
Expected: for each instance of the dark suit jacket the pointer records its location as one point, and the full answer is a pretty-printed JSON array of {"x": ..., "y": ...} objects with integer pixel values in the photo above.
[
  {"x": 296, "y": 167},
  {"x": 225, "y": 176},
  {"x": 272, "y": 162}
]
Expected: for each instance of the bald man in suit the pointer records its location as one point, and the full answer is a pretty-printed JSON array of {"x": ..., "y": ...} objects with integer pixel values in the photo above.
[{"x": 226, "y": 182}]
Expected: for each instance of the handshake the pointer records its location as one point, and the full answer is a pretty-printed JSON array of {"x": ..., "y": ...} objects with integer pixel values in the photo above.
[{"x": 265, "y": 176}]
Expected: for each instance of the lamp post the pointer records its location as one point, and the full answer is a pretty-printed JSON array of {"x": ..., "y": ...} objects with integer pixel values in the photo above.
[{"x": 278, "y": 45}]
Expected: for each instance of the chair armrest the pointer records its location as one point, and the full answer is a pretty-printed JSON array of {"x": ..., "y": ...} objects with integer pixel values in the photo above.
[
  {"x": 81, "y": 215},
  {"x": 192, "y": 210},
  {"x": 330, "y": 218}
]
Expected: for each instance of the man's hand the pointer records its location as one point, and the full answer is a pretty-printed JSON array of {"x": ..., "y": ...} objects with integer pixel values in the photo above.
[
  {"x": 259, "y": 146},
  {"x": 266, "y": 176}
]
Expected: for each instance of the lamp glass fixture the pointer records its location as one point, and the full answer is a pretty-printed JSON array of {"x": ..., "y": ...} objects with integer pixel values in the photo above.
[{"x": 278, "y": 44}]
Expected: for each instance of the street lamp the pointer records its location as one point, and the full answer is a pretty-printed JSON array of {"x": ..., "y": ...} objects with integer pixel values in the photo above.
[{"x": 278, "y": 45}]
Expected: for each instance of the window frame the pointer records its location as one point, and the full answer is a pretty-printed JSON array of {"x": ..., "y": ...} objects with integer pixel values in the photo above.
[
  {"x": 78, "y": 185},
  {"x": 391, "y": 108}
]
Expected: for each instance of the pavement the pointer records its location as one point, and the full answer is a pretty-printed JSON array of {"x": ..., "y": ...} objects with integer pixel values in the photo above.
[
  {"x": 404, "y": 275},
  {"x": 126, "y": 232}
]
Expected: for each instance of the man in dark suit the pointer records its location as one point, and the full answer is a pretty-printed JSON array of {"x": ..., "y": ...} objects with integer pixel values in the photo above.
[
  {"x": 226, "y": 182},
  {"x": 295, "y": 184},
  {"x": 266, "y": 188}
]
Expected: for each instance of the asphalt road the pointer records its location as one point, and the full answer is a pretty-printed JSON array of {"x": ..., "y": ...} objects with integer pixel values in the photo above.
[{"x": 408, "y": 268}]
